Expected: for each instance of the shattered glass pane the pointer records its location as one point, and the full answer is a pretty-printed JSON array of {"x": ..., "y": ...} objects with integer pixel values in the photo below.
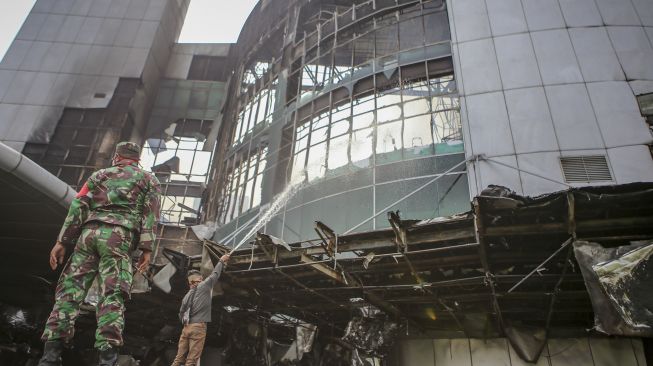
[
  {"x": 338, "y": 151},
  {"x": 316, "y": 164}
]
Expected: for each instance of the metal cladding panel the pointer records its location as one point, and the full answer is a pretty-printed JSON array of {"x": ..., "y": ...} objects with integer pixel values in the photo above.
[
  {"x": 452, "y": 352},
  {"x": 573, "y": 351},
  {"x": 506, "y": 17},
  {"x": 543, "y": 14},
  {"x": 556, "y": 58},
  {"x": 517, "y": 61},
  {"x": 530, "y": 120},
  {"x": 479, "y": 67},
  {"x": 417, "y": 352},
  {"x": 573, "y": 117},
  {"x": 598, "y": 61},
  {"x": 634, "y": 51},
  {"x": 470, "y": 17},
  {"x": 490, "y": 352},
  {"x": 581, "y": 13}
]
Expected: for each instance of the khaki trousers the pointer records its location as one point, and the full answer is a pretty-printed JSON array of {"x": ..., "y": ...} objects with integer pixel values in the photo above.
[{"x": 191, "y": 342}]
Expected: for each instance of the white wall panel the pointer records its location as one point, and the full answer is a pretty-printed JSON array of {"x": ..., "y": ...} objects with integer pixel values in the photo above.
[
  {"x": 597, "y": 58},
  {"x": 76, "y": 58},
  {"x": 6, "y": 77},
  {"x": 15, "y": 54},
  {"x": 612, "y": 351},
  {"x": 573, "y": 117},
  {"x": 580, "y": 13},
  {"x": 137, "y": 9},
  {"x": 56, "y": 56},
  {"x": 517, "y": 61},
  {"x": 43, "y": 6},
  {"x": 641, "y": 86},
  {"x": 118, "y": 8},
  {"x": 501, "y": 170},
  {"x": 51, "y": 27},
  {"x": 530, "y": 120},
  {"x": 634, "y": 51},
  {"x": 63, "y": 6},
  {"x": 178, "y": 66},
  {"x": 618, "y": 114},
  {"x": 20, "y": 86},
  {"x": 97, "y": 56},
  {"x": 31, "y": 27},
  {"x": 40, "y": 88},
  {"x": 115, "y": 62},
  {"x": 471, "y": 19},
  {"x": 566, "y": 352},
  {"x": 70, "y": 29},
  {"x": 135, "y": 62},
  {"x": 7, "y": 113},
  {"x": 81, "y": 7},
  {"x": 537, "y": 165},
  {"x": 631, "y": 164},
  {"x": 146, "y": 33},
  {"x": 556, "y": 57},
  {"x": 417, "y": 352},
  {"x": 644, "y": 10},
  {"x": 452, "y": 352},
  {"x": 490, "y": 352},
  {"x": 63, "y": 87},
  {"x": 35, "y": 56},
  {"x": 108, "y": 32},
  {"x": 100, "y": 8},
  {"x": 89, "y": 30},
  {"x": 82, "y": 92},
  {"x": 25, "y": 120},
  {"x": 488, "y": 123},
  {"x": 543, "y": 14},
  {"x": 506, "y": 17},
  {"x": 125, "y": 36},
  {"x": 479, "y": 66},
  {"x": 618, "y": 12}
]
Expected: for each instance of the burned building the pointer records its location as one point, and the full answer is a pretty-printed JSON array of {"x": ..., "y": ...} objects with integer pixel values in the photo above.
[{"x": 353, "y": 151}]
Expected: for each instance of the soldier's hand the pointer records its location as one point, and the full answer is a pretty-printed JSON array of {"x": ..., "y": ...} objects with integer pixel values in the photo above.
[
  {"x": 225, "y": 258},
  {"x": 56, "y": 255},
  {"x": 144, "y": 261}
]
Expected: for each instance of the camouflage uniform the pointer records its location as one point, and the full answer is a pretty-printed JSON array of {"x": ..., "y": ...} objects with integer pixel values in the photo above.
[{"x": 115, "y": 207}]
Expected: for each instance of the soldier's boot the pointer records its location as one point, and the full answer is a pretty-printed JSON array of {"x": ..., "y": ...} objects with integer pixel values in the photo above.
[
  {"x": 51, "y": 354},
  {"x": 109, "y": 357}
]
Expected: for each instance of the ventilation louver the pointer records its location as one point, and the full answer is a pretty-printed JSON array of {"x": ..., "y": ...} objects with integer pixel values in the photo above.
[{"x": 585, "y": 169}]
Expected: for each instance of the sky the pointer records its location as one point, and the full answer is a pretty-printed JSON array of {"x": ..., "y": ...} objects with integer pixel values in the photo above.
[{"x": 207, "y": 21}]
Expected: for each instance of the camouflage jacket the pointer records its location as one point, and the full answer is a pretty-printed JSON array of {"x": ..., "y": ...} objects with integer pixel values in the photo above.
[{"x": 122, "y": 195}]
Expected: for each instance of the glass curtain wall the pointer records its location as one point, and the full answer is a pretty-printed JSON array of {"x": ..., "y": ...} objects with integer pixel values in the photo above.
[{"x": 370, "y": 114}]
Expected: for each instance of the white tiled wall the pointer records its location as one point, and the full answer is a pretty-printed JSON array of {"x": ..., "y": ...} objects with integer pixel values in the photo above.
[
  {"x": 69, "y": 50},
  {"x": 499, "y": 352},
  {"x": 545, "y": 78}
]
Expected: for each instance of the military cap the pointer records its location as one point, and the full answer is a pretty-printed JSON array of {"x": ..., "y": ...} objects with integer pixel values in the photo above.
[{"x": 128, "y": 150}]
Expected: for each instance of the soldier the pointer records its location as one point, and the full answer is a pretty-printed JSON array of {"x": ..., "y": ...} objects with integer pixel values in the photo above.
[{"x": 115, "y": 209}]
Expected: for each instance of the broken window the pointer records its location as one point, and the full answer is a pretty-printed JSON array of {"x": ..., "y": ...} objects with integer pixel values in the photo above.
[
  {"x": 257, "y": 110},
  {"x": 243, "y": 184},
  {"x": 181, "y": 164}
]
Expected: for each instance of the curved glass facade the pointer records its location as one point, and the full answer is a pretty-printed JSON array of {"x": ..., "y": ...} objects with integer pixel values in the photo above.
[{"x": 361, "y": 105}]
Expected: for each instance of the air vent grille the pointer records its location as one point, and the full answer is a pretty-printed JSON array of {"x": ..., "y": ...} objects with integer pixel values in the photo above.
[{"x": 585, "y": 169}]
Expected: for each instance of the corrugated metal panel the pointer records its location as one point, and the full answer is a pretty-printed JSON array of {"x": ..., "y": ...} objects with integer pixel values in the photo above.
[{"x": 585, "y": 169}]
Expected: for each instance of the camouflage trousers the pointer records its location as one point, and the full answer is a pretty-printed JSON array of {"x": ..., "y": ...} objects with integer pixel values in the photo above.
[{"x": 101, "y": 250}]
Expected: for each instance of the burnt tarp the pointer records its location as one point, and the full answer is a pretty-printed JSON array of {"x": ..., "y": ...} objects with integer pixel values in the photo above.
[
  {"x": 373, "y": 333},
  {"x": 619, "y": 281},
  {"x": 528, "y": 341}
]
